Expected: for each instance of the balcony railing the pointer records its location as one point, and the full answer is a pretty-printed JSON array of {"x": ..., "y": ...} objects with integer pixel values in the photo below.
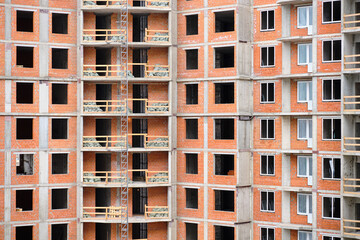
[
  {"x": 103, "y": 213},
  {"x": 351, "y": 21},
  {"x": 103, "y": 3},
  {"x": 103, "y": 35},
  {"x": 351, "y": 103},
  {"x": 156, "y": 212},
  {"x": 119, "y": 142},
  {"x": 352, "y": 62},
  {"x": 352, "y": 144},
  {"x": 351, "y": 185},
  {"x": 115, "y": 177},
  {"x": 156, "y": 36},
  {"x": 119, "y": 106},
  {"x": 104, "y": 106},
  {"x": 153, "y": 3},
  {"x": 351, "y": 227},
  {"x": 118, "y": 71}
]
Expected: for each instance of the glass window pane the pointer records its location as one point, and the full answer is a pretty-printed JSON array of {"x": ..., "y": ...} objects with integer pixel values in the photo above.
[
  {"x": 327, "y": 90},
  {"x": 327, "y": 50},
  {"x": 302, "y": 91},
  {"x": 271, "y": 19},
  {"x": 310, "y": 90},
  {"x": 264, "y": 61},
  {"x": 271, "y": 167},
  {"x": 327, "y": 134},
  {"x": 337, "y": 50},
  {"x": 327, "y": 11},
  {"x": 263, "y": 164},
  {"x": 271, "y": 129},
  {"x": 336, "y": 89},
  {"x": 302, "y": 165},
  {"x": 302, "y": 128},
  {"x": 264, "y": 95},
  {"x": 336, "y": 10},
  {"x": 264, "y": 20},
  {"x": 271, "y": 92},
  {"x": 302, "y": 203},
  {"x": 302, "y": 54},
  {"x": 326, "y": 168},
  {"x": 302, "y": 16},
  {"x": 271, "y": 56},
  {"x": 310, "y": 15}
]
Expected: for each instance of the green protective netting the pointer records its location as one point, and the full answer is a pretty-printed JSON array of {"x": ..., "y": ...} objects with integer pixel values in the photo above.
[
  {"x": 158, "y": 142},
  {"x": 160, "y": 37},
  {"x": 91, "y": 107},
  {"x": 159, "y": 4},
  {"x": 91, "y": 72},
  {"x": 92, "y": 143},
  {"x": 159, "y": 71},
  {"x": 117, "y": 38},
  {"x": 89, "y": 3},
  {"x": 89, "y": 177},
  {"x": 155, "y": 178},
  {"x": 88, "y": 38},
  {"x": 157, "y": 212},
  {"x": 159, "y": 107}
]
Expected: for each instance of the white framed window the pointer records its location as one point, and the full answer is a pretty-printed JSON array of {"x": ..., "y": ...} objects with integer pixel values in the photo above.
[
  {"x": 267, "y": 233},
  {"x": 304, "y": 93},
  {"x": 267, "y": 57},
  {"x": 331, "y": 11},
  {"x": 331, "y": 50},
  {"x": 304, "y": 129},
  {"x": 331, "y": 168},
  {"x": 304, "y": 16},
  {"x": 267, "y": 128},
  {"x": 267, "y": 165},
  {"x": 267, "y": 18},
  {"x": 304, "y": 54},
  {"x": 331, "y": 238},
  {"x": 331, "y": 128},
  {"x": 267, "y": 201},
  {"x": 331, "y": 207},
  {"x": 303, "y": 235},
  {"x": 304, "y": 166},
  {"x": 331, "y": 89},
  {"x": 267, "y": 92},
  {"x": 304, "y": 205}
]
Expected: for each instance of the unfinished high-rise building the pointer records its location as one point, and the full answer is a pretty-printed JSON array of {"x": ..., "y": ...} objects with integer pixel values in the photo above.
[{"x": 179, "y": 119}]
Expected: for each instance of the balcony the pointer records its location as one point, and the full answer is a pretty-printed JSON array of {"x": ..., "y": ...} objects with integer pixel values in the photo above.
[
  {"x": 351, "y": 22},
  {"x": 151, "y": 3},
  {"x": 104, "y": 213},
  {"x": 95, "y": 36},
  {"x": 351, "y": 103},
  {"x": 156, "y": 36},
  {"x": 352, "y": 144},
  {"x": 101, "y": 72},
  {"x": 351, "y": 228},
  {"x": 351, "y": 186},
  {"x": 120, "y": 142},
  {"x": 121, "y": 106},
  {"x": 115, "y": 213},
  {"x": 352, "y": 62},
  {"x": 104, "y": 3},
  {"x": 116, "y": 177}
]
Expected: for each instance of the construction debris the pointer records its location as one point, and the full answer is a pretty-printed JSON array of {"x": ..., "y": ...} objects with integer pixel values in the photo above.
[
  {"x": 161, "y": 37},
  {"x": 90, "y": 178},
  {"x": 157, "y": 212},
  {"x": 90, "y": 73},
  {"x": 89, "y": 3},
  {"x": 159, "y": 71},
  {"x": 159, "y": 107},
  {"x": 159, "y": 177},
  {"x": 158, "y": 142},
  {"x": 91, "y": 143},
  {"x": 91, "y": 107}
]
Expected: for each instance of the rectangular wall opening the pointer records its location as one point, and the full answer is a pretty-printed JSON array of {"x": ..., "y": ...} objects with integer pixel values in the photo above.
[
  {"x": 224, "y": 164},
  {"x": 24, "y": 233},
  {"x": 24, "y": 200},
  {"x": 140, "y": 91},
  {"x": 139, "y": 126},
  {"x": 192, "y": 24},
  {"x": 224, "y": 233},
  {"x": 59, "y": 163},
  {"x": 224, "y": 57},
  {"x": 59, "y": 198},
  {"x": 59, "y": 128},
  {"x": 24, "y": 21},
  {"x": 191, "y": 59},
  {"x": 24, "y": 93},
  {"x": 140, "y": 199},
  {"x": 59, "y": 58},
  {"x": 102, "y": 198},
  {"x": 224, "y": 21},
  {"x": 103, "y": 128},
  {"x": 59, "y": 231},
  {"x": 139, "y": 230},
  {"x": 139, "y": 56},
  {"x": 103, "y": 92},
  {"x": 191, "y": 128},
  {"x": 60, "y": 23},
  {"x": 24, "y": 128},
  {"x": 103, "y": 231},
  {"x": 224, "y": 128},
  {"x": 224, "y": 93},
  {"x": 191, "y": 231},
  {"x": 24, "y": 164},
  {"x": 140, "y": 161},
  {"x": 102, "y": 22},
  {"x": 224, "y": 200},
  {"x": 59, "y": 93},
  {"x": 140, "y": 23},
  {"x": 103, "y": 57},
  {"x": 102, "y": 164},
  {"x": 191, "y": 163},
  {"x": 191, "y": 93},
  {"x": 25, "y": 57},
  {"x": 191, "y": 198}
]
